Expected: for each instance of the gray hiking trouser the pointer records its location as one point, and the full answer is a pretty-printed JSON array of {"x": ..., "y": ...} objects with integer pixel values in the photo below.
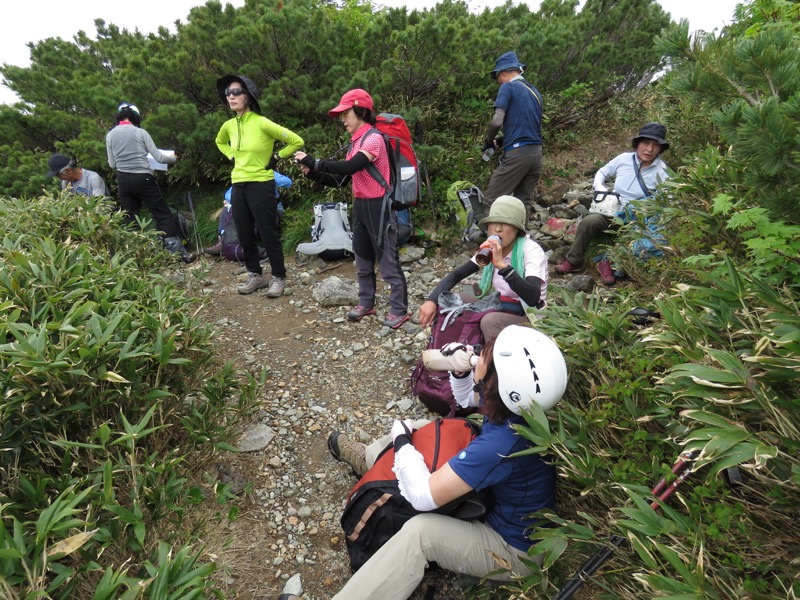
[
  {"x": 468, "y": 547},
  {"x": 517, "y": 175},
  {"x": 367, "y": 228},
  {"x": 590, "y": 227}
]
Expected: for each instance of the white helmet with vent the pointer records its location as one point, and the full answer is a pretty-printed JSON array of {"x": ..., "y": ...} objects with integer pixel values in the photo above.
[{"x": 530, "y": 368}]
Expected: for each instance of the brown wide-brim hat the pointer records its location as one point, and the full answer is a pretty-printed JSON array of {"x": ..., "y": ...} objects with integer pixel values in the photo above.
[{"x": 652, "y": 131}]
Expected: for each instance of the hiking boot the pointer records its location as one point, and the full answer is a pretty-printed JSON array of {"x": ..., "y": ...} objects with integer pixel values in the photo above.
[
  {"x": 394, "y": 321},
  {"x": 359, "y": 312},
  {"x": 216, "y": 249},
  {"x": 276, "y": 287},
  {"x": 175, "y": 246},
  {"x": 567, "y": 267},
  {"x": 255, "y": 281},
  {"x": 606, "y": 272},
  {"x": 353, "y": 453}
]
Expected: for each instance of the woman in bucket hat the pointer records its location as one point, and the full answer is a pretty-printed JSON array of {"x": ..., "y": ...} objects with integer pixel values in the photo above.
[
  {"x": 248, "y": 140},
  {"x": 518, "y": 270},
  {"x": 374, "y": 222},
  {"x": 644, "y": 160}
]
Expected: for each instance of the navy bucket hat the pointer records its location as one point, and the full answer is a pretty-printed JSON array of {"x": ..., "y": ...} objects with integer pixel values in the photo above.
[
  {"x": 652, "y": 131},
  {"x": 251, "y": 88},
  {"x": 507, "y": 61}
]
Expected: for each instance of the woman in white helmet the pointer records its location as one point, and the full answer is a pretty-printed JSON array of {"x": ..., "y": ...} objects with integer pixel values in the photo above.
[{"x": 520, "y": 367}]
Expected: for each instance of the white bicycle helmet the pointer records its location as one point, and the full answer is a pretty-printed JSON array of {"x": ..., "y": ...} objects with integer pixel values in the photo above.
[{"x": 530, "y": 368}]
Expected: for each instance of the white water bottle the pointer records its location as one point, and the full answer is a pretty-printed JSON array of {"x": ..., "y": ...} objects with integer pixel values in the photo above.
[{"x": 487, "y": 154}]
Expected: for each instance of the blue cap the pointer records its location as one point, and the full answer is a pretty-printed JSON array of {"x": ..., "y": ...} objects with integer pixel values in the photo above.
[{"x": 507, "y": 62}]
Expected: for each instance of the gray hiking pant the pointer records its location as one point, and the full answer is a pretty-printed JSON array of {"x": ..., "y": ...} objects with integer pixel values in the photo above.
[
  {"x": 367, "y": 226},
  {"x": 517, "y": 175},
  {"x": 590, "y": 227}
]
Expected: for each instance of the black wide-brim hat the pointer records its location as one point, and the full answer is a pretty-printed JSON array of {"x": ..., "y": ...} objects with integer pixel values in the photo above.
[
  {"x": 652, "y": 131},
  {"x": 248, "y": 85}
]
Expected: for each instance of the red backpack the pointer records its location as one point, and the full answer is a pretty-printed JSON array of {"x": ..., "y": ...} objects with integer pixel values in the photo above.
[
  {"x": 375, "y": 509},
  {"x": 403, "y": 188}
]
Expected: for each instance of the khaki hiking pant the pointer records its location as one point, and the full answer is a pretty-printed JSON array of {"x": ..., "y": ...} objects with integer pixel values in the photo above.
[{"x": 466, "y": 547}]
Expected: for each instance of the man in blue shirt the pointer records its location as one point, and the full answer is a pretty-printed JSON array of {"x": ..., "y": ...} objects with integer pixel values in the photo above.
[{"x": 518, "y": 112}]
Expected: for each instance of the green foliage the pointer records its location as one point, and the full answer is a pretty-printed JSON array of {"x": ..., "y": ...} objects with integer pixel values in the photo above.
[
  {"x": 719, "y": 374},
  {"x": 429, "y": 65},
  {"x": 748, "y": 87},
  {"x": 108, "y": 386}
]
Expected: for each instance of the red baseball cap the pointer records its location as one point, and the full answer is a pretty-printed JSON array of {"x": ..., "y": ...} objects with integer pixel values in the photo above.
[{"x": 356, "y": 97}]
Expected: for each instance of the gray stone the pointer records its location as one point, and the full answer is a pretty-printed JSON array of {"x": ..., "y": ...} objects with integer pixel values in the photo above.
[
  {"x": 581, "y": 283},
  {"x": 255, "y": 438},
  {"x": 410, "y": 254},
  {"x": 335, "y": 291}
]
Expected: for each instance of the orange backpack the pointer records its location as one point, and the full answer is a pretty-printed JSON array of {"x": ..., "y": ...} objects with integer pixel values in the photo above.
[{"x": 375, "y": 509}]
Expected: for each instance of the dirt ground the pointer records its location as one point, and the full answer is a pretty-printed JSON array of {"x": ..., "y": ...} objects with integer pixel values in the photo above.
[{"x": 316, "y": 383}]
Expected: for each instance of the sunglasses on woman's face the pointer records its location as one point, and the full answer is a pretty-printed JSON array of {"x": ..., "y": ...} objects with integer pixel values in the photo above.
[{"x": 234, "y": 92}]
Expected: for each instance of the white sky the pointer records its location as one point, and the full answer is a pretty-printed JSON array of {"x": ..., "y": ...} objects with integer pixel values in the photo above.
[{"x": 36, "y": 20}]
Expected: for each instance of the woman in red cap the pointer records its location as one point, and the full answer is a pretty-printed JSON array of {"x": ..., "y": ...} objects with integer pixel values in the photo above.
[{"x": 374, "y": 222}]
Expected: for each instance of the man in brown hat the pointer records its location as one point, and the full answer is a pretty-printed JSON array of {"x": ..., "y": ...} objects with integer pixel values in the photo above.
[{"x": 637, "y": 174}]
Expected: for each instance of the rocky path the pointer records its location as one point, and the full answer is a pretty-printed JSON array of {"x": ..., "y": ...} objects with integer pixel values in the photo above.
[{"x": 324, "y": 373}]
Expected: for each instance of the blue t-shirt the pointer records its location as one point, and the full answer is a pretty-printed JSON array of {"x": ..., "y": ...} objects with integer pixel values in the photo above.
[
  {"x": 520, "y": 485},
  {"x": 522, "y": 125}
]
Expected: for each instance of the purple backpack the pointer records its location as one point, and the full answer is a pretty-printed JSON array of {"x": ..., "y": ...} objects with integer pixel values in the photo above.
[{"x": 433, "y": 387}]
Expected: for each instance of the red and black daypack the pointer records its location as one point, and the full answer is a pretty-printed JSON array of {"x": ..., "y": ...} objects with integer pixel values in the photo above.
[
  {"x": 375, "y": 510},
  {"x": 403, "y": 189},
  {"x": 433, "y": 387}
]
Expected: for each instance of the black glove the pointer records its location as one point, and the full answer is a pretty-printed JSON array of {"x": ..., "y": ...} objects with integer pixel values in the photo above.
[
  {"x": 273, "y": 162},
  {"x": 498, "y": 143},
  {"x": 308, "y": 161},
  {"x": 488, "y": 144}
]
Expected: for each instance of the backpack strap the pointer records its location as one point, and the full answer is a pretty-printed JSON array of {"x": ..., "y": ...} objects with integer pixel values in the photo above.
[
  {"x": 376, "y": 175},
  {"x": 647, "y": 191},
  {"x": 529, "y": 87},
  {"x": 371, "y": 168}
]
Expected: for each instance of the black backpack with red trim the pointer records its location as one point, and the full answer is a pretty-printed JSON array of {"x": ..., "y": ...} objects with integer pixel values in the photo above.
[{"x": 375, "y": 509}]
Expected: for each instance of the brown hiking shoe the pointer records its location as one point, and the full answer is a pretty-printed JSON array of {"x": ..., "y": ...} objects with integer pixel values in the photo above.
[
  {"x": 216, "y": 249},
  {"x": 255, "y": 281},
  {"x": 353, "y": 453}
]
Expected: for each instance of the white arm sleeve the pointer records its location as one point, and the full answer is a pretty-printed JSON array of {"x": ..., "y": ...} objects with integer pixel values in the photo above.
[
  {"x": 463, "y": 390},
  {"x": 413, "y": 477}
]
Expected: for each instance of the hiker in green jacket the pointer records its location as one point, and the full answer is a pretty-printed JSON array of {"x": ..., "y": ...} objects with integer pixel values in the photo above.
[{"x": 248, "y": 140}]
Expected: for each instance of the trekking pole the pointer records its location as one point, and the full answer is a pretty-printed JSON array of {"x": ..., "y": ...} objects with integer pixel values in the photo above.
[
  {"x": 194, "y": 223},
  {"x": 681, "y": 469}
]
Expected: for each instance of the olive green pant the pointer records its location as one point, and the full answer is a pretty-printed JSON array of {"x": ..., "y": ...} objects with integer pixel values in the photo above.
[{"x": 592, "y": 226}]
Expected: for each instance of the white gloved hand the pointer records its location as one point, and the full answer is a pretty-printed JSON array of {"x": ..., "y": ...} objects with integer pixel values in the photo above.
[
  {"x": 401, "y": 428},
  {"x": 453, "y": 357}
]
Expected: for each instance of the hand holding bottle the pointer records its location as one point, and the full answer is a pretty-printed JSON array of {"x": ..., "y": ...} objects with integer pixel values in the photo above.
[{"x": 487, "y": 249}]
